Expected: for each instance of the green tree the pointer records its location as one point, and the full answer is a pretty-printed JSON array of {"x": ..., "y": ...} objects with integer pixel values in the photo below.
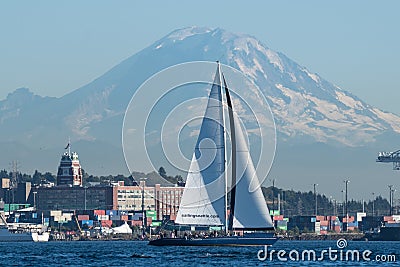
[{"x": 162, "y": 172}]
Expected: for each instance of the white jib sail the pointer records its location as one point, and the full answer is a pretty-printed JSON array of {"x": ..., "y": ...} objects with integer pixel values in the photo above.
[{"x": 251, "y": 211}]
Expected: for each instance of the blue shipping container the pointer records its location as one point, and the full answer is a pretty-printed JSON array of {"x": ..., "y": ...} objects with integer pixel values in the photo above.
[{"x": 87, "y": 222}]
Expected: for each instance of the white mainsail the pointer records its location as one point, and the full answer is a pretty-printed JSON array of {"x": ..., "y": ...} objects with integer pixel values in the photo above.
[{"x": 203, "y": 202}]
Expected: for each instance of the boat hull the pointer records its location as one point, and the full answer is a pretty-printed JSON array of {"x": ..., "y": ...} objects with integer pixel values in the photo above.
[
  {"x": 385, "y": 234},
  {"x": 215, "y": 241},
  {"x": 7, "y": 236}
]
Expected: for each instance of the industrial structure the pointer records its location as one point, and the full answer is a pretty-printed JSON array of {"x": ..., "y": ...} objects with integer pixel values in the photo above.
[{"x": 390, "y": 157}]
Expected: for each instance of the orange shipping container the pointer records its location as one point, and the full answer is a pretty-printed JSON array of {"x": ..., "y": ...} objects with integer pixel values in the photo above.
[
  {"x": 99, "y": 212},
  {"x": 124, "y": 217}
]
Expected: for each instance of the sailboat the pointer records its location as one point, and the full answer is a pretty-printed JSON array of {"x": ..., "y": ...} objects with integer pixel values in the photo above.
[{"x": 205, "y": 198}]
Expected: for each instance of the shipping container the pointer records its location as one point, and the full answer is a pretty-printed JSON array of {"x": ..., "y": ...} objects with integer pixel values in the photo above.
[
  {"x": 124, "y": 217},
  {"x": 87, "y": 222},
  {"x": 274, "y": 212},
  {"x": 115, "y": 217},
  {"x": 99, "y": 212},
  {"x": 103, "y": 217},
  {"x": 360, "y": 215},
  {"x": 83, "y": 217},
  {"x": 278, "y": 218},
  {"x": 320, "y": 218},
  {"x": 136, "y": 223},
  {"x": 55, "y": 213},
  {"x": 156, "y": 223},
  {"x": 388, "y": 218},
  {"x": 111, "y": 212},
  {"x": 324, "y": 223},
  {"x": 350, "y": 219},
  {"x": 352, "y": 224}
]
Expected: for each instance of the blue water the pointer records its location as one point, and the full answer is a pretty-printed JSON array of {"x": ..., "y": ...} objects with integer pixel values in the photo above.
[{"x": 136, "y": 253}]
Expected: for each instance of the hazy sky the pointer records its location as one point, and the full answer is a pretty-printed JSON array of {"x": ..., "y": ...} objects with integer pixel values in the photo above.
[{"x": 54, "y": 47}]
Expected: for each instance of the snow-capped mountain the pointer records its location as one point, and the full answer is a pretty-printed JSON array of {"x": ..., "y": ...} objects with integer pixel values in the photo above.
[
  {"x": 303, "y": 103},
  {"x": 307, "y": 108}
]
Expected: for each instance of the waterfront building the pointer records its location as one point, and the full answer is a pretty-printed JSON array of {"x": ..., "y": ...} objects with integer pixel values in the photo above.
[
  {"x": 167, "y": 201},
  {"x": 69, "y": 171},
  {"x": 129, "y": 198},
  {"x": 74, "y": 198},
  {"x": 163, "y": 199}
]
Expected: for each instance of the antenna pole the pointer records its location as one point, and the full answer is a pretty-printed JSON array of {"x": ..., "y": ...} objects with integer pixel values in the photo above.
[{"x": 69, "y": 146}]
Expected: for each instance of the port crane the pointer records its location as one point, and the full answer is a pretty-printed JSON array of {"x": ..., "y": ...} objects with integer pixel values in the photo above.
[{"x": 387, "y": 157}]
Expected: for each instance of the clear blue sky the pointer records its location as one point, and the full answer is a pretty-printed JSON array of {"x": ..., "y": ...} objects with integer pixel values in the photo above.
[{"x": 54, "y": 47}]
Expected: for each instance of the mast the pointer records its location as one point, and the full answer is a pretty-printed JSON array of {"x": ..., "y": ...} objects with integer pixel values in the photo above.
[
  {"x": 225, "y": 161},
  {"x": 233, "y": 155}
]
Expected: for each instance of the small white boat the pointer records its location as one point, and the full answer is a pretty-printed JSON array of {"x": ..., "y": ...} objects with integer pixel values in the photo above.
[
  {"x": 21, "y": 232},
  {"x": 41, "y": 237}
]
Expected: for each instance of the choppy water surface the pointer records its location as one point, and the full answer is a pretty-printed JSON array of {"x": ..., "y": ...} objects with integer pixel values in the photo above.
[{"x": 135, "y": 253}]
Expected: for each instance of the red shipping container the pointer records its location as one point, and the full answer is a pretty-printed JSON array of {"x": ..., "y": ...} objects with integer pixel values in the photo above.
[
  {"x": 388, "y": 218},
  {"x": 320, "y": 218},
  {"x": 136, "y": 223},
  {"x": 278, "y": 218},
  {"x": 99, "y": 212},
  {"x": 83, "y": 217},
  {"x": 149, "y": 220},
  {"x": 323, "y": 232},
  {"x": 172, "y": 217},
  {"x": 124, "y": 217},
  {"x": 106, "y": 223},
  {"x": 324, "y": 223},
  {"x": 331, "y": 218}
]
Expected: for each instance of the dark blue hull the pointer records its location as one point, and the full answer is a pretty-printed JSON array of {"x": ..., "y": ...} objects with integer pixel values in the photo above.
[{"x": 215, "y": 241}]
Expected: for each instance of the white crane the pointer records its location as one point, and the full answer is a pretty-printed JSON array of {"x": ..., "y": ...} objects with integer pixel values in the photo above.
[{"x": 387, "y": 157}]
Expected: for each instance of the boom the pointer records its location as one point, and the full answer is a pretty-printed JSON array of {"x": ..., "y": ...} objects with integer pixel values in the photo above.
[{"x": 387, "y": 157}]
